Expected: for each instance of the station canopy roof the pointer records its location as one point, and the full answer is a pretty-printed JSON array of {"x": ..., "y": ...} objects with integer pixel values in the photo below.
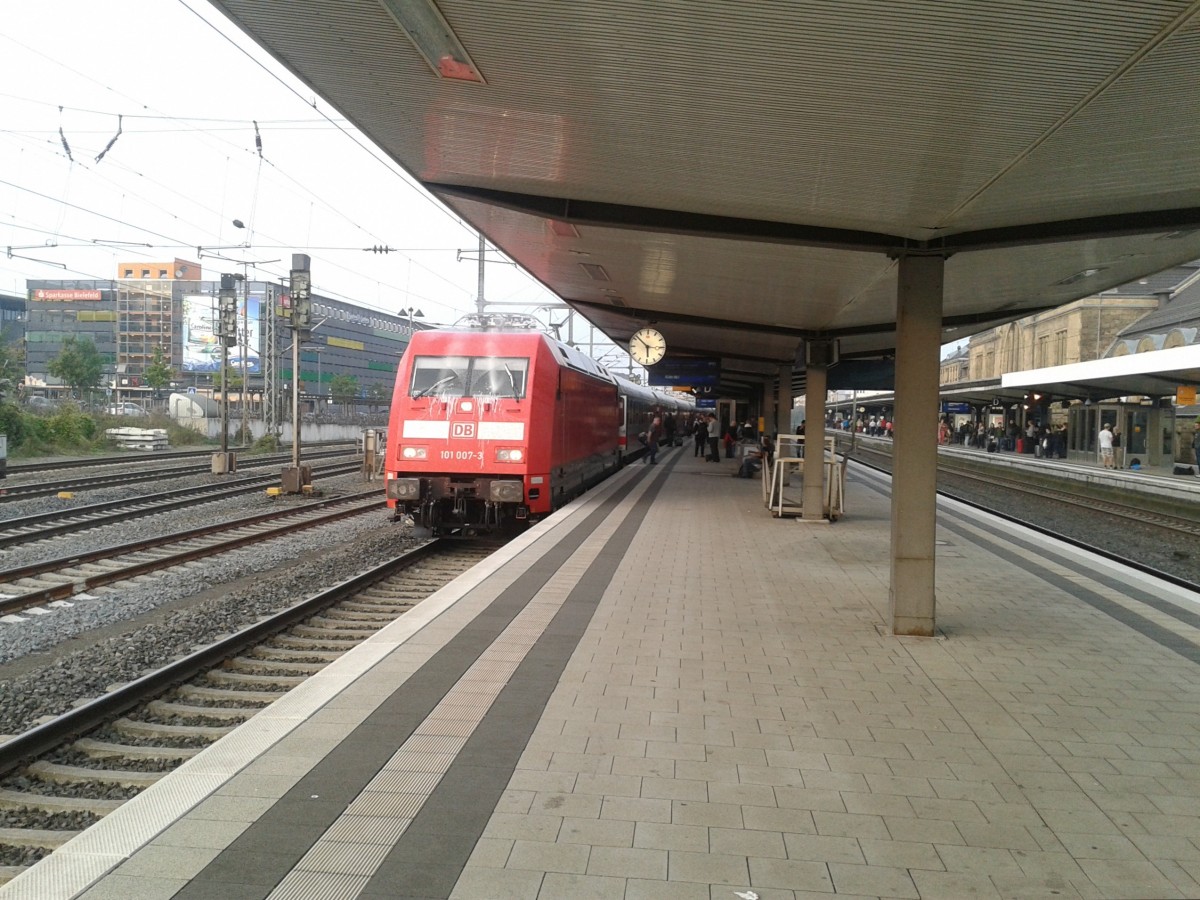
[
  {"x": 1156, "y": 373},
  {"x": 744, "y": 174}
]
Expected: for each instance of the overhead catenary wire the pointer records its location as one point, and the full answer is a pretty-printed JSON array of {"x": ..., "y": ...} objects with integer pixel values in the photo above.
[{"x": 215, "y": 128}]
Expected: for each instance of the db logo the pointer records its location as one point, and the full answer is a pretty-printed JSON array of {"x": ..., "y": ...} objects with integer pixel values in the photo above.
[{"x": 463, "y": 430}]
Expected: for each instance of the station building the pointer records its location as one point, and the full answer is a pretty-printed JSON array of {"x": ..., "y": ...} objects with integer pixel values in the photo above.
[{"x": 168, "y": 305}]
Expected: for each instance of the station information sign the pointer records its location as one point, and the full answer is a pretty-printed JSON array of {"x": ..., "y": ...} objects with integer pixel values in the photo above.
[{"x": 685, "y": 372}]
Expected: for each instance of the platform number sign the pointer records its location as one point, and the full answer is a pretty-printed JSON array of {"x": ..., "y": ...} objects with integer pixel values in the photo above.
[{"x": 463, "y": 430}]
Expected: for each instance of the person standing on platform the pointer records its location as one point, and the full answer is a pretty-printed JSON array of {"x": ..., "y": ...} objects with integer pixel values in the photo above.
[
  {"x": 1196, "y": 444},
  {"x": 1118, "y": 451},
  {"x": 714, "y": 439},
  {"x": 653, "y": 436},
  {"x": 1106, "y": 446},
  {"x": 700, "y": 435}
]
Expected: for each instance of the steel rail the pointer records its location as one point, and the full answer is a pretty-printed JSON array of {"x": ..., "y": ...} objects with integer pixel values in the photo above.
[
  {"x": 145, "y": 505},
  {"x": 80, "y": 462},
  {"x": 67, "y": 589},
  {"x": 43, "y": 488}
]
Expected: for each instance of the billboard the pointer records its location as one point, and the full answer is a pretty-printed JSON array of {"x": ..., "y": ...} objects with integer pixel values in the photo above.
[{"x": 202, "y": 346}]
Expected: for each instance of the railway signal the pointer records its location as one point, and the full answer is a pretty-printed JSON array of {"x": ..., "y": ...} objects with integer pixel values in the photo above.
[
  {"x": 297, "y": 479},
  {"x": 225, "y": 462}
]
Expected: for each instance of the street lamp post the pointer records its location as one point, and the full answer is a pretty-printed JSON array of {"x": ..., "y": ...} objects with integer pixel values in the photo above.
[
  {"x": 318, "y": 350},
  {"x": 411, "y": 311}
]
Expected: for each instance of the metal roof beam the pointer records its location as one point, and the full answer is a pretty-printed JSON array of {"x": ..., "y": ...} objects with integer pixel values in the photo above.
[{"x": 644, "y": 218}]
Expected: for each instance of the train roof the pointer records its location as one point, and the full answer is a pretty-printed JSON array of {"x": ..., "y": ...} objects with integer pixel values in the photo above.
[{"x": 572, "y": 357}]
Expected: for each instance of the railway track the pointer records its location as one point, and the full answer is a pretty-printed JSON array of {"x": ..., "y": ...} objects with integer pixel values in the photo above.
[
  {"x": 1085, "y": 500},
  {"x": 136, "y": 733},
  {"x": 87, "y": 462},
  {"x": 13, "y": 492},
  {"x": 1148, "y": 536},
  {"x": 56, "y": 580},
  {"x": 1141, "y": 515},
  {"x": 41, "y": 526}
]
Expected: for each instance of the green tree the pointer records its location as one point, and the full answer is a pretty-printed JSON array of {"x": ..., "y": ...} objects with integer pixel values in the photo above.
[
  {"x": 12, "y": 368},
  {"x": 78, "y": 365},
  {"x": 159, "y": 373},
  {"x": 233, "y": 379},
  {"x": 343, "y": 388},
  {"x": 378, "y": 394}
]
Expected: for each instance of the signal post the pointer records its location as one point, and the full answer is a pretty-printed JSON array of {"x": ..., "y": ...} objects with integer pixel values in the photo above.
[
  {"x": 297, "y": 478},
  {"x": 224, "y": 461}
]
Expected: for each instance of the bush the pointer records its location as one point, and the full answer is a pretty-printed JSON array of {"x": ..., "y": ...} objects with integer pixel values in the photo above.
[
  {"x": 268, "y": 443},
  {"x": 12, "y": 424}
]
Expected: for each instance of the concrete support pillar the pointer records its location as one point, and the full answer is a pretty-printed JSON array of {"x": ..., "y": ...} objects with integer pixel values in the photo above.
[
  {"x": 783, "y": 401},
  {"x": 814, "y": 442},
  {"x": 914, "y": 446},
  {"x": 768, "y": 407}
]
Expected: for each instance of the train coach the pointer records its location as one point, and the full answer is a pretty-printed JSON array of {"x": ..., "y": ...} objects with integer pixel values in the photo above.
[{"x": 494, "y": 424}]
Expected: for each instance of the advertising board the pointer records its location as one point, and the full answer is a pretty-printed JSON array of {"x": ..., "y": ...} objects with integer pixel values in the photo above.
[{"x": 201, "y": 344}]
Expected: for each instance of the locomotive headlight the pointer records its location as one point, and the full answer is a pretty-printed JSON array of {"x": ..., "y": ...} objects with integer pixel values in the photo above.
[
  {"x": 414, "y": 452},
  {"x": 507, "y": 454}
]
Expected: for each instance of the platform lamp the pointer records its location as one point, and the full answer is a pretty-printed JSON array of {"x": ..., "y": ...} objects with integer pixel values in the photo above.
[{"x": 411, "y": 311}]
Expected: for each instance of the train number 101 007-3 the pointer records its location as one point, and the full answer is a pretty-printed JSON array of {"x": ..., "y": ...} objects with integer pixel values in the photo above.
[{"x": 463, "y": 455}]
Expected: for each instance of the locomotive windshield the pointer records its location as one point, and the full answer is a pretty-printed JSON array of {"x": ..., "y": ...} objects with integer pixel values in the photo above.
[{"x": 469, "y": 376}]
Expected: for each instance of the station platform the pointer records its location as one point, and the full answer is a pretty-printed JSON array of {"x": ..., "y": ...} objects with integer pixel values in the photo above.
[{"x": 664, "y": 692}]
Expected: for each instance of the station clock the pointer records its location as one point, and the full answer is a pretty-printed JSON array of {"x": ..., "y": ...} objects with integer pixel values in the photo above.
[{"x": 647, "y": 346}]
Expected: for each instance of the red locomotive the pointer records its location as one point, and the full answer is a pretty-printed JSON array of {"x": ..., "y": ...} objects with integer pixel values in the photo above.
[{"x": 495, "y": 423}]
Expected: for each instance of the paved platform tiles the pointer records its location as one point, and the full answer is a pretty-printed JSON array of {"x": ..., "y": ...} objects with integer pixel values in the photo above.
[{"x": 735, "y": 718}]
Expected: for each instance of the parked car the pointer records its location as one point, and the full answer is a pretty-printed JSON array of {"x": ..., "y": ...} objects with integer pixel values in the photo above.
[
  {"x": 41, "y": 404},
  {"x": 126, "y": 409}
]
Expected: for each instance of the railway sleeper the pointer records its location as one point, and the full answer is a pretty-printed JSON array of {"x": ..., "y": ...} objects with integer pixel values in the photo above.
[
  {"x": 225, "y": 676},
  {"x": 312, "y": 643},
  {"x": 50, "y": 803},
  {"x": 410, "y": 594},
  {"x": 132, "y": 728},
  {"x": 105, "y": 750},
  {"x": 227, "y": 696},
  {"x": 167, "y": 709},
  {"x": 266, "y": 651},
  {"x": 60, "y": 774},
  {"x": 359, "y": 615},
  {"x": 253, "y": 664},
  {"x": 332, "y": 629},
  {"x": 370, "y": 608},
  {"x": 327, "y": 634},
  {"x": 327, "y": 623},
  {"x": 32, "y": 837}
]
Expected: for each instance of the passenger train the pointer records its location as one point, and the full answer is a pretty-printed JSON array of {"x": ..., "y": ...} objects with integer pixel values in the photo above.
[{"x": 495, "y": 423}]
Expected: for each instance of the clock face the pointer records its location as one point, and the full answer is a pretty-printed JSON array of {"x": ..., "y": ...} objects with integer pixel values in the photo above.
[{"x": 647, "y": 347}]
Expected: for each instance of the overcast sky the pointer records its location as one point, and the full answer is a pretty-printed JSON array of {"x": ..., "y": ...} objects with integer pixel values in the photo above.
[{"x": 185, "y": 88}]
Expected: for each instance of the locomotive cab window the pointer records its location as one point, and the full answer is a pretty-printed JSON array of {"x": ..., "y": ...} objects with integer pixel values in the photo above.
[
  {"x": 468, "y": 376},
  {"x": 498, "y": 377}
]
